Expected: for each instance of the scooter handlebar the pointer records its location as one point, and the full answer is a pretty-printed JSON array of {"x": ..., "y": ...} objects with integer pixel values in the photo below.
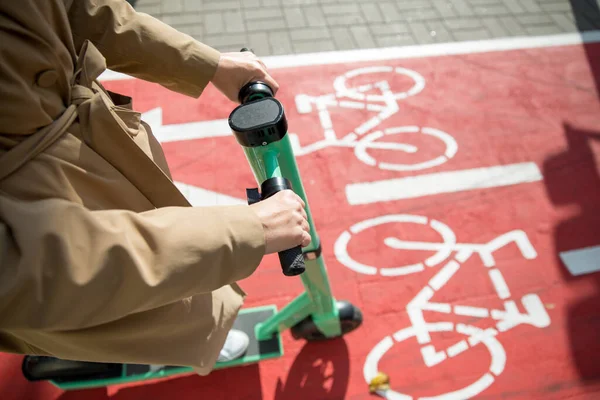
[{"x": 291, "y": 260}]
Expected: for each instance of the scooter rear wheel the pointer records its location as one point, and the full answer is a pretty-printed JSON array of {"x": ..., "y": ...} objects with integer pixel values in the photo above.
[{"x": 350, "y": 319}]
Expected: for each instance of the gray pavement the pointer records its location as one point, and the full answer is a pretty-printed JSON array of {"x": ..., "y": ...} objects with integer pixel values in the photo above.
[{"x": 273, "y": 27}]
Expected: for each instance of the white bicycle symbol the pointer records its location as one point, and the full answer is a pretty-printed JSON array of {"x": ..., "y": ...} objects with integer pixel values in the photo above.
[
  {"x": 507, "y": 318},
  {"x": 379, "y": 97}
]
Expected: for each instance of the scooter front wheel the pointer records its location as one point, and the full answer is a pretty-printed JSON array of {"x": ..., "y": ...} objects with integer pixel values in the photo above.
[{"x": 350, "y": 319}]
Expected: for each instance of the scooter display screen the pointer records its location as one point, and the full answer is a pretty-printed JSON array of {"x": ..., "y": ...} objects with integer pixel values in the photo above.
[{"x": 259, "y": 122}]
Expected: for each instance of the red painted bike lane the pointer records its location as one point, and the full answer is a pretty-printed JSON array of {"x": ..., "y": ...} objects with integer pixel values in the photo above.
[{"x": 445, "y": 190}]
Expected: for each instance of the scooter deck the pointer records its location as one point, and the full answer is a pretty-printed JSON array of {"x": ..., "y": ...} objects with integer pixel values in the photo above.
[{"x": 115, "y": 374}]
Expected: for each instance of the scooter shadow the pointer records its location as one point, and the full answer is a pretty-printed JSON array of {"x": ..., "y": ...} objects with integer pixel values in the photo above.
[
  {"x": 235, "y": 383},
  {"x": 319, "y": 372},
  {"x": 572, "y": 180}
]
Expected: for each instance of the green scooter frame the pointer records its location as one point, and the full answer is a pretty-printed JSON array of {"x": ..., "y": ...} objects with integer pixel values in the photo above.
[{"x": 313, "y": 315}]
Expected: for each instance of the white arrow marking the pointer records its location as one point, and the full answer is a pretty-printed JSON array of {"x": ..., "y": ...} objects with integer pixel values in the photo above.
[
  {"x": 185, "y": 131},
  {"x": 199, "y": 197},
  {"x": 582, "y": 261},
  {"x": 442, "y": 182}
]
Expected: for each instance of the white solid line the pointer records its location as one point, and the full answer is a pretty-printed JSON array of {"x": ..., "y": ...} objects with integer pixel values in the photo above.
[
  {"x": 405, "y": 52},
  {"x": 444, "y": 275},
  {"x": 192, "y": 131},
  {"x": 499, "y": 283},
  {"x": 200, "y": 197},
  {"x": 438, "y": 49},
  {"x": 184, "y": 131},
  {"x": 582, "y": 261},
  {"x": 471, "y": 311},
  {"x": 442, "y": 182},
  {"x": 110, "y": 75}
]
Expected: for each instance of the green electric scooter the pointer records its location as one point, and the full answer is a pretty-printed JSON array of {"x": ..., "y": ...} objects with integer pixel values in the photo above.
[{"x": 260, "y": 126}]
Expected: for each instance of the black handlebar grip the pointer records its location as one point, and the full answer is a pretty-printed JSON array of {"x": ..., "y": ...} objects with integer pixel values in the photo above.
[
  {"x": 254, "y": 90},
  {"x": 292, "y": 261}
]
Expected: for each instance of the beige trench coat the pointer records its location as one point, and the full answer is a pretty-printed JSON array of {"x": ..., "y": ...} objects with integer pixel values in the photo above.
[{"x": 101, "y": 257}]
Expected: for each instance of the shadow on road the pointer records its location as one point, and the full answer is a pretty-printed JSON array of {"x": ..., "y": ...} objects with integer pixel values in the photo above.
[
  {"x": 320, "y": 371},
  {"x": 572, "y": 180},
  {"x": 573, "y": 184}
]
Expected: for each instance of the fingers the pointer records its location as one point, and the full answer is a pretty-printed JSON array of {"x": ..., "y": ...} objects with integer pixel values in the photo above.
[
  {"x": 235, "y": 70},
  {"x": 262, "y": 64},
  {"x": 263, "y": 75},
  {"x": 271, "y": 82},
  {"x": 301, "y": 207},
  {"x": 301, "y": 216},
  {"x": 305, "y": 239},
  {"x": 303, "y": 213},
  {"x": 299, "y": 199}
]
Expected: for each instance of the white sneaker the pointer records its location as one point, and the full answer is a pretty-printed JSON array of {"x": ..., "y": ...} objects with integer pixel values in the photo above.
[{"x": 235, "y": 346}]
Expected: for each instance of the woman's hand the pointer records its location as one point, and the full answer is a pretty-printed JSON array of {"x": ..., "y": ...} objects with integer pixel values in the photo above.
[
  {"x": 284, "y": 221},
  {"x": 237, "y": 69}
]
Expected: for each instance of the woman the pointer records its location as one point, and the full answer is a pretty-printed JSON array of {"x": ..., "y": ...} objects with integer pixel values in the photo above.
[{"x": 101, "y": 257}]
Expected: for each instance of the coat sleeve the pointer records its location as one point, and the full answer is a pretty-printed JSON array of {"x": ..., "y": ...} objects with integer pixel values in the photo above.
[
  {"x": 66, "y": 267},
  {"x": 139, "y": 45}
]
